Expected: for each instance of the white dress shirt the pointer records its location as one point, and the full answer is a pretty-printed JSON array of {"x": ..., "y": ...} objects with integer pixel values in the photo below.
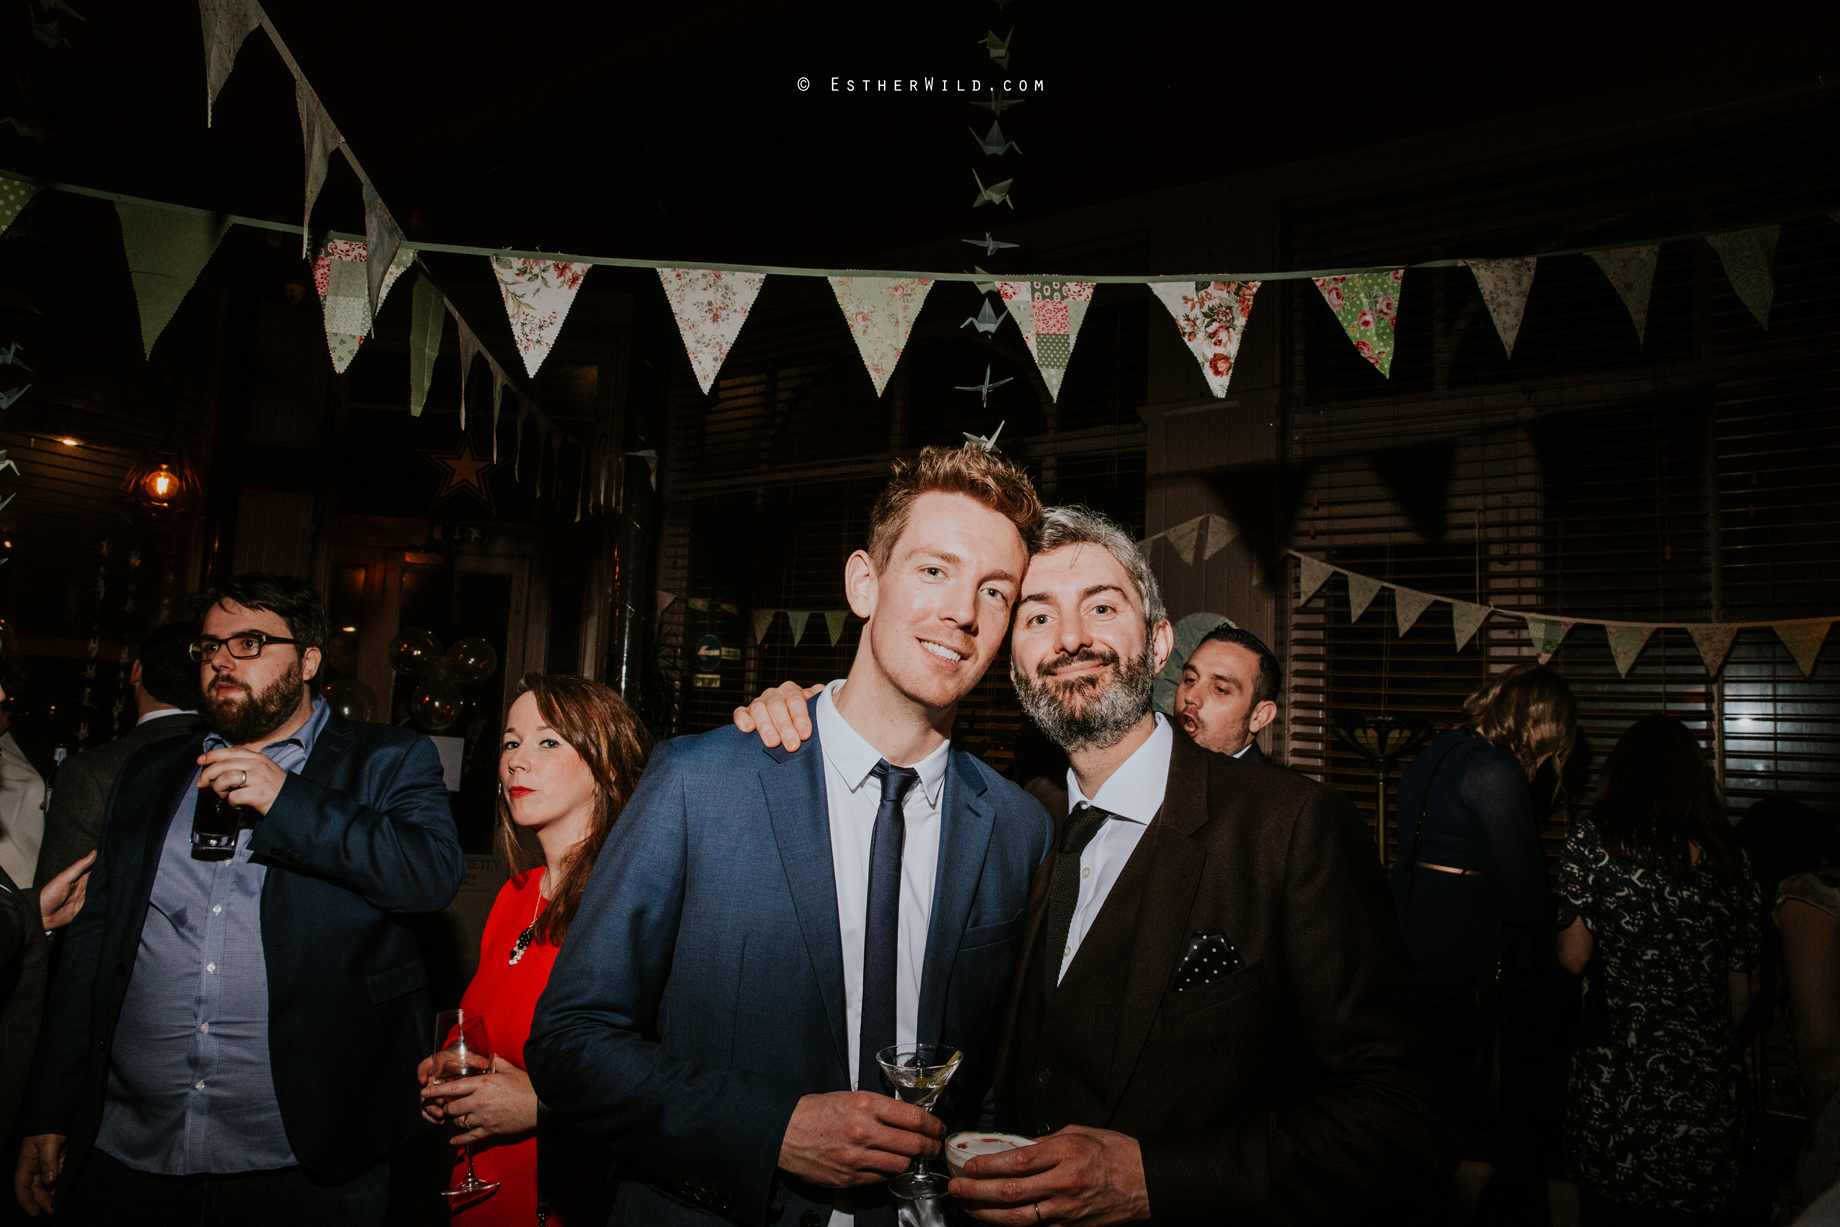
[
  {"x": 853, "y": 795},
  {"x": 1241, "y": 752},
  {"x": 1132, "y": 795},
  {"x": 162, "y": 713}
]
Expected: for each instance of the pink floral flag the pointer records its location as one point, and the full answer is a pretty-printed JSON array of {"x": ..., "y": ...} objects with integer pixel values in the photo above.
[
  {"x": 340, "y": 276},
  {"x": 1049, "y": 314},
  {"x": 710, "y": 306},
  {"x": 1212, "y": 316},
  {"x": 1367, "y": 304},
  {"x": 538, "y": 295},
  {"x": 880, "y": 312},
  {"x": 1504, "y": 285},
  {"x": 1631, "y": 271}
]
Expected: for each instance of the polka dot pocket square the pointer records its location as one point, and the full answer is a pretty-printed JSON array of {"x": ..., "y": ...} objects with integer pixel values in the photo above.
[{"x": 1210, "y": 958}]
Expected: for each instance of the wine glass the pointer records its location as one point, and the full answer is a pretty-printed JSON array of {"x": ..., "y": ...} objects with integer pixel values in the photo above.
[
  {"x": 919, "y": 1072},
  {"x": 464, "y": 1053}
]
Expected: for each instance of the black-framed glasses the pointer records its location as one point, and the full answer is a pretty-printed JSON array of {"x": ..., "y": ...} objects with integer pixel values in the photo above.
[{"x": 245, "y": 646}]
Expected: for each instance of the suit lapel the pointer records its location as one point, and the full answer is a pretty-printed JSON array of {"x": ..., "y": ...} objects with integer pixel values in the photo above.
[
  {"x": 329, "y": 749},
  {"x": 793, "y": 785},
  {"x": 967, "y": 819},
  {"x": 1175, "y": 869},
  {"x": 159, "y": 802}
]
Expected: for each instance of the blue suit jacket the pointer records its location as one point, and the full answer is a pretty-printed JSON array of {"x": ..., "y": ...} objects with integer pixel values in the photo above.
[
  {"x": 355, "y": 844},
  {"x": 699, "y": 993}
]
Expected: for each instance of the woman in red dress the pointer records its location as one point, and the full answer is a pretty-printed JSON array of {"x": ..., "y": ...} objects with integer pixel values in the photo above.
[{"x": 570, "y": 757}]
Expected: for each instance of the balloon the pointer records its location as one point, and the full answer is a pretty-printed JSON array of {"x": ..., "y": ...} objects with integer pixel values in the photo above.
[
  {"x": 351, "y": 698},
  {"x": 436, "y": 704},
  {"x": 413, "y": 651},
  {"x": 471, "y": 661}
]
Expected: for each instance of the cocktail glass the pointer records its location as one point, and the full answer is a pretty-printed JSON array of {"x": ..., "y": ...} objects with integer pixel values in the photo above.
[{"x": 918, "y": 1073}]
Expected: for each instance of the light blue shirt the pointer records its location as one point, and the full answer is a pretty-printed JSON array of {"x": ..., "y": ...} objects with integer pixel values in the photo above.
[{"x": 190, "y": 1085}]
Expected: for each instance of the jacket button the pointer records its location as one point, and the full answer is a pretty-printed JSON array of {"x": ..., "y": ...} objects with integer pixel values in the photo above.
[
  {"x": 102, "y": 1041},
  {"x": 1044, "y": 1075},
  {"x": 808, "y": 1219}
]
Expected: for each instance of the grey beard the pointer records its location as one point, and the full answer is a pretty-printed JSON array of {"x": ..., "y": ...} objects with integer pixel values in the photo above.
[{"x": 1112, "y": 708}]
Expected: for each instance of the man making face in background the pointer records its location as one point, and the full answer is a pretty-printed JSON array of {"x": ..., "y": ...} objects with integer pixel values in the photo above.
[{"x": 1229, "y": 692}]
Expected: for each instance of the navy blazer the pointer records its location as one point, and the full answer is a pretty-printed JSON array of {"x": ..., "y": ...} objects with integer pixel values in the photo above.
[
  {"x": 357, "y": 843},
  {"x": 699, "y": 993}
]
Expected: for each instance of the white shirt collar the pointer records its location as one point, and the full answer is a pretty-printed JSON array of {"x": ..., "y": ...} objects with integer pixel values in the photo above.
[
  {"x": 1135, "y": 791},
  {"x": 854, "y": 758},
  {"x": 1241, "y": 752},
  {"x": 163, "y": 712}
]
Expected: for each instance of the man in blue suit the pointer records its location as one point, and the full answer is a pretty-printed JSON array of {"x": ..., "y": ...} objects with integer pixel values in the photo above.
[
  {"x": 761, "y": 923},
  {"x": 235, "y": 1040}
]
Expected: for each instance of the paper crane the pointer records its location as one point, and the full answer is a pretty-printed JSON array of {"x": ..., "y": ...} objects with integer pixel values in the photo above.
[
  {"x": 992, "y": 142},
  {"x": 46, "y": 32},
  {"x": 7, "y": 398},
  {"x": 33, "y": 129},
  {"x": 996, "y": 193},
  {"x": 986, "y": 321},
  {"x": 990, "y": 245},
  {"x": 997, "y": 105},
  {"x": 987, "y": 442},
  {"x": 999, "y": 47},
  {"x": 983, "y": 287},
  {"x": 985, "y": 389},
  {"x": 10, "y": 357},
  {"x": 60, "y": 6}
]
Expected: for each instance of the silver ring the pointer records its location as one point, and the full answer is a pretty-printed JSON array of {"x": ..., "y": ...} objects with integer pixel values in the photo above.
[
  {"x": 1038, "y": 1212},
  {"x": 245, "y": 782}
]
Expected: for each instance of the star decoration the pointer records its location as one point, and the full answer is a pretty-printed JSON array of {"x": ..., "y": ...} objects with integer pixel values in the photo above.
[{"x": 463, "y": 473}]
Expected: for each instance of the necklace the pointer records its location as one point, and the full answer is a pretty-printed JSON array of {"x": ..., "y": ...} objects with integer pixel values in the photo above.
[{"x": 530, "y": 930}]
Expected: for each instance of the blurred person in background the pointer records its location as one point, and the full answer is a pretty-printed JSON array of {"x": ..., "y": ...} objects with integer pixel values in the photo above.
[
  {"x": 1470, "y": 885},
  {"x": 569, "y": 757},
  {"x": 1661, "y": 911}
]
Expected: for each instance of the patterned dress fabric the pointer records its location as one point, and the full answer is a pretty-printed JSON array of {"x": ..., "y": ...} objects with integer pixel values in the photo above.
[
  {"x": 710, "y": 306},
  {"x": 1504, "y": 285},
  {"x": 880, "y": 312},
  {"x": 1049, "y": 314},
  {"x": 538, "y": 295},
  {"x": 1653, "y": 1115},
  {"x": 344, "y": 295},
  {"x": 1367, "y": 304},
  {"x": 1212, "y": 316}
]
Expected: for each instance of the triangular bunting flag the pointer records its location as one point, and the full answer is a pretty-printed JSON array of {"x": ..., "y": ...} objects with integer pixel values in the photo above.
[
  {"x": 1312, "y": 575},
  {"x": 343, "y": 280},
  {"x": 1367, "y": 304},
  {"x": 1361, "y": 593},
  {"x": 665, "y": 600},
  {"x": 424, "y": 341},
  {"x": 1804, "y": 640},
  {"x": 1408, "y": 604},
  {"x": 320, "y": 138},
  {"x": 1049, "y": 314},
  {"x": 763, "y": 618},
  {"x": 226, "y": 24},
  {"x": 166, "y": 252},
  {"x": 1749, "y": 256},
  {"x": 1547, "y": 634},
  {"x": 14, "y": 196},
  {"x": 710, "y": 306},
  {"x": 1626, "y": 644},
  {"x": 1466, "y": 619},
  {"x": 1220, "y": 531},
  {"x": 799, "y": 618},
  {"x": 1713, "y": 639},
  {"x": 470, "y": 348},
  {"x": 383, "y": 238},
  {"x": 538, "y": 295},
  {"x": 1631, "y": 271},
  {"x": 835, "y": 619},
  {"x": 880, "y": 312},
  {"x": 500, "y": 381},
  {"x": 1212, "y": 318},
  {"x": 1182, "y": 537},
  {"x": 1504, "y": 285}
]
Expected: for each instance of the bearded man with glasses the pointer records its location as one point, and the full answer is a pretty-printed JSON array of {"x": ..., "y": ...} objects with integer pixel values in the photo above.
[{"x": 224, "y": 1035}]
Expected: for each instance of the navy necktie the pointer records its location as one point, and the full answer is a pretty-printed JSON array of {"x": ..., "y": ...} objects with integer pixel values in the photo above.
[{"x": 881, "y": 935}]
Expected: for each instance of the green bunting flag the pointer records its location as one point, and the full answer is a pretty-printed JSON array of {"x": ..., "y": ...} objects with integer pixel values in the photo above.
[
  {"x": 834, "y": 619},
  {"x": 1367, "y": 305},
  {"x": 428, "y": 317},
  {"x": 1749, "y": 257},
  {"x": 166, "y": 252},
  {"x": 1547, "y": 634},
  {"x": 1631, "y": 271},
  {"x": 1804, "y": 640},
  {"x": 1626, "y": 644},
  {"x": 14, "y": 196}
]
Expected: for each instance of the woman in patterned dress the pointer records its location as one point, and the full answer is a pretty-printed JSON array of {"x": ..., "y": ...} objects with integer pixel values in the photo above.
[
  {"x": 1657, "y": 900},
  {"x": 571, "y": 754}
]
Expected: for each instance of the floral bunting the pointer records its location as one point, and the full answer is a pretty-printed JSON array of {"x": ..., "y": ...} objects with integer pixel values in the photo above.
[
  {"x": 1466, "y": 619},
  {"x": 14, "y": 196},
  {"x": 320, "y": 137},
  {"x": 1408, "y": 605},
  {"x": 1182, "y": 537},
  {"x": 538, "y": 295},
  {"x": 226, "y": 24},
  {"x": 1714, "y": 643},
  {"x": 383, "y": 239},
  {"x": 341, "y": 276},
  {"x": 710, "y": 306},
  {"x": 470, "y": 349},
  {"x": 1361, "y": 593},
  {"x": 763, "y": 618},
  {"x": 1367, "y": 305},
  {"x": 881, "y": 313},
  {"x": 1749, "y": 256},
  {"x": 1212, "y": 318},
  {"x": 1220, "y": 531},
  {"x": 1049, "y": 314},
  {"x": 1804, "y": 640},
  {"x": 800, "y": 619},
  {"x": 1504, "y": 285},
  {"x": 1626, "y": 643},
  {"x": 1547, "y": 634},
  {"x": 1631, "y": 271},
  {"x": 1312, "y": 575}
]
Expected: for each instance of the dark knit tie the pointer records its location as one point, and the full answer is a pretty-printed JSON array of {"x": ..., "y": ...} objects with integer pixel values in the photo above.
[
  {"x": 1064, "y": 888},
  {"x": 881, "y": 934}
]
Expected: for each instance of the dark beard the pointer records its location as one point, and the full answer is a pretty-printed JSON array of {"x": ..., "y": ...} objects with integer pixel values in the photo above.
[
  {"x": 1111, "y": 708},
  {"x": 240, "y": 722}
]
